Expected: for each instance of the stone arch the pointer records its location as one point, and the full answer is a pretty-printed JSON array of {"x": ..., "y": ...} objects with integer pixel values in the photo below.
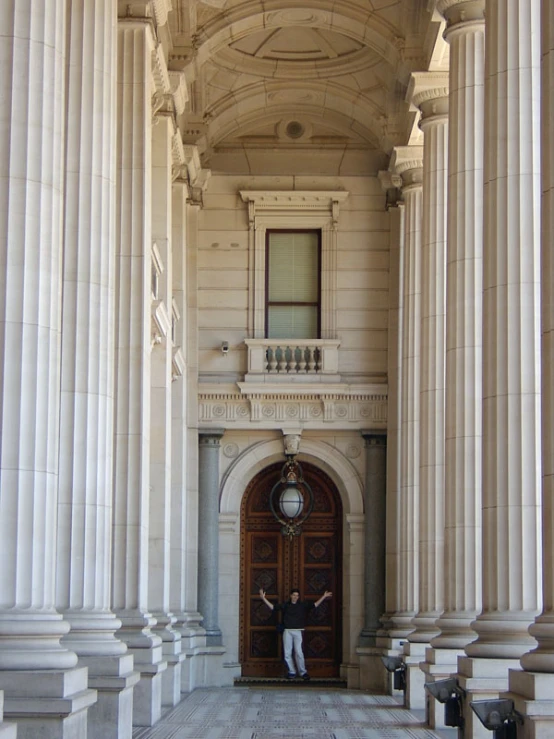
[{"x": 264, "y": 453}]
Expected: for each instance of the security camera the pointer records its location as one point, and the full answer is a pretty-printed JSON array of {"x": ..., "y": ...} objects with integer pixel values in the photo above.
[
  {"x": 493, "y": 714},
  {"x": 392, "y": 663},
  {"x": 225, "y": 347},
  {"x": 442, "y": 690}
]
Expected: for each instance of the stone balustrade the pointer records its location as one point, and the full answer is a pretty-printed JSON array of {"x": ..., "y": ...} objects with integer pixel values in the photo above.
[{"x": 292, "y": 358}]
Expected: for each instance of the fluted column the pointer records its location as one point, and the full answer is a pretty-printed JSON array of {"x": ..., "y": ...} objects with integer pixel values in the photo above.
[
  {"x": 133, "y": 373},
  {"x": 465, "y": 32},
  {"x": 374, "y": 541},
  {"x": 32, "y": 658},
  {"x": 208, "y": 533},
  {"x": 541, "y": 659},
  {"x": 87, "y": 377},
  {"x": 408, "y": 162},
  {"x": 429, "y": 93},
  {"x": 511, "y": 332}
]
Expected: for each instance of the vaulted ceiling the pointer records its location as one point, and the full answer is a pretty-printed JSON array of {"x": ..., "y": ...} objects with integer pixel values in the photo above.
[{"x": 314, "y": 75}]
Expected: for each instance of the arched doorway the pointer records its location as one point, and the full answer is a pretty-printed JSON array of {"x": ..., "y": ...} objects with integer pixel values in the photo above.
[{"x": 311, "y": 562}]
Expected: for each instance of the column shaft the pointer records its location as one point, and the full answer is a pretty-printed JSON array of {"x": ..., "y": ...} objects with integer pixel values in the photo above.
[
  {"x": 31, "y": 145},
  {"x": 542, "y": 658},
  {"x": 87, "y": 378},
  {"x": 464, "y": 342},
  {"x": 432, "y": 99},
  {"x": 511, "y": 352},
  {"x": 208, "y": 533},
  {"x": 408, "y": 163}
]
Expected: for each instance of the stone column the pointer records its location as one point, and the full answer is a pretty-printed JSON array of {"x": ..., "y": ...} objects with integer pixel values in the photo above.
[
  {"x": 87, "y": 375},
  {"x": 375, "y": 527},
  {"x": 193, "y": 634},
  {"x": 394, "y": 477},
  {"x": 408, "y": 162},
  {"x": 132, "y": 374},
  {"x": 179, "y": 405},
  {"x": 533, "y": 689},
  {"x": 429, "y": 92},
  {"x": 160, "y": 412},
  {"x": 511, "y": 351},
  {"x": 208, "y": 533},
  {"x": 33, "y": 660},
  {"x": 465, "y": 32}
]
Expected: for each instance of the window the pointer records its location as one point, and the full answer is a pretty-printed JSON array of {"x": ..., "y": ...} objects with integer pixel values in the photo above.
[{"x": 292, "y": 284}]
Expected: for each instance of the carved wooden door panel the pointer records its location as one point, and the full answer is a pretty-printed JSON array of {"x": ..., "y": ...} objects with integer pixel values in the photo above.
[{"x": 310, "y": 562}]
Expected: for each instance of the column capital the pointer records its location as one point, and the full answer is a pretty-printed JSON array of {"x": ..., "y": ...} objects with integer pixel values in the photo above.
[
  {"x": 461, "y": 14},
  {"x": 374, "y": 438},
  {"x": 210, "y": 437},
  {"x": 407, "y": 161},
  {"x": 428, "y": 92}
]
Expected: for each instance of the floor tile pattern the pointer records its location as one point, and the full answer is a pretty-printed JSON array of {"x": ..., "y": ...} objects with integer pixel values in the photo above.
[{"x": 273, "y": 713}]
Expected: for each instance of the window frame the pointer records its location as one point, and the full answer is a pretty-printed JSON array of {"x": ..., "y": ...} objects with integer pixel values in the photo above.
[
  {"x": 268, "y": 303},
  {"x": 298, "y": 210}
]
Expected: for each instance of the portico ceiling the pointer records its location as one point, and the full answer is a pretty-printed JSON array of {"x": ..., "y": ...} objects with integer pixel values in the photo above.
[{"x": 301, "y": 76}]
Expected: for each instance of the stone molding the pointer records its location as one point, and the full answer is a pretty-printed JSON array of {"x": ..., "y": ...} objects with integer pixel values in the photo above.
[{"x": 309, "y": 407}]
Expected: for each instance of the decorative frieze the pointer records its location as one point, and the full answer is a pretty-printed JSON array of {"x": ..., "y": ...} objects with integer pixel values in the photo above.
[{"x": 309, "y": 408}]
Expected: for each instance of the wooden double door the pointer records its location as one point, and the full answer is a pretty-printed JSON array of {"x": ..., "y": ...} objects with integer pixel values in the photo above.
[{"x": 310, "y": 562}]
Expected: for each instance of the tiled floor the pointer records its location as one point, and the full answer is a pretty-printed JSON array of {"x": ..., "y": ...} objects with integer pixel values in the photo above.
[{"x": 274, "y": 713}]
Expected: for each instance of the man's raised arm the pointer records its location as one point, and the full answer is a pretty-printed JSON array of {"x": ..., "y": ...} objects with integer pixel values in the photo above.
[{"x": 265, "y": 600}]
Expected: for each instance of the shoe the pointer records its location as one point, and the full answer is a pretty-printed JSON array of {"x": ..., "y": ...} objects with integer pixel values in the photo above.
[
  {"x": 291, "y": 675},
  {"x": 305, "y": 676}
]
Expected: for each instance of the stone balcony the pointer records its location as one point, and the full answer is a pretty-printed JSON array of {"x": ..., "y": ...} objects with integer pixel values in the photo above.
[{"x": 292, "y": 360}]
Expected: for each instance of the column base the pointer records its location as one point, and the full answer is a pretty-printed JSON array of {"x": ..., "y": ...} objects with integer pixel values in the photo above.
[
  {"x": 172, "y": 678},
  {"x": 533, "y": 696},
  {"x": 111, "y": 717},
  {"x": 482, "y": 679},
  {"x": 414, "y": 655},
  {"x": 439, "y": 664},
  {"x": 48, "y": 704}
]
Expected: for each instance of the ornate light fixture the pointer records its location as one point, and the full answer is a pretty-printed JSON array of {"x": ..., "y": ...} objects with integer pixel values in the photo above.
[{"x": 291, "y": 499}]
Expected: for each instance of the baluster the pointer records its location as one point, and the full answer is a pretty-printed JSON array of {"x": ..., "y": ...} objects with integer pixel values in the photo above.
[
  {"x": 272, "y": 355},
  {"x": 311, "y": 359},
  {"x": 281, "y": 359},
  {"x": 318, "y": 354},
  {"x": 301, "y": 360}
]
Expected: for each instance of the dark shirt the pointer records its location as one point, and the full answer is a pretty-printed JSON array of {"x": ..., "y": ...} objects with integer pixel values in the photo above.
[{"x": 295, "y": 614}]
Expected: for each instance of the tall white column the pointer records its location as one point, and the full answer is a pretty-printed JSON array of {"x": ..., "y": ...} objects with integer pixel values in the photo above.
[
  {"x": 533, "y": 689},
  {"x": 133, "y": 357},
  {"x": 511, "y": 351},
  {"x": 32, "y": 658},
  {"x": 408, "y": 162},
  {"x": 465, "y": 32},
  {"x": 83, "y": 591},
  {"x": 429, "y": 92},
  {"x": 160, "y": 414}
]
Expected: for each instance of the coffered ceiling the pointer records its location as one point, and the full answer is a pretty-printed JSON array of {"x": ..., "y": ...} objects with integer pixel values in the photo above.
[{"x": 296, "y": 78}]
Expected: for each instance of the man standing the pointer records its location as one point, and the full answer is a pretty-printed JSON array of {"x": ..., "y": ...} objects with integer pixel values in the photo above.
[{"x": 295, "y": 612}]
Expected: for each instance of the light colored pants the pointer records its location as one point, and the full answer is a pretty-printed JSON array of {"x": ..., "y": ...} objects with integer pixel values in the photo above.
[{"x": 292, "y": 640}]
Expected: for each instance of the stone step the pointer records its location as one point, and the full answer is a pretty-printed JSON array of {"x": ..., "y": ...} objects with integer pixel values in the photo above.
[{"x": 315, "y": 682}]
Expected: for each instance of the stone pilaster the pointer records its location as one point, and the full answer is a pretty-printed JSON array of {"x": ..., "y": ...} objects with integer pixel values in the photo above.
[
  {"x": 533, "y": 689},
  {"x": 32, "y": 656},
  {"x": 87, "y": 375},
  {"x": 208, "y": 533},
  {"x": 511, "y": 351},
  {"x": 133, "y": 361},
  {"x": 160, "y": 413},
  {"x": 408, "y": 162}
]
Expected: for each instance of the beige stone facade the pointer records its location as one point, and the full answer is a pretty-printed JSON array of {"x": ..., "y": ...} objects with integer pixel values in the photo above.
[{"x": 148, "y": 148}]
